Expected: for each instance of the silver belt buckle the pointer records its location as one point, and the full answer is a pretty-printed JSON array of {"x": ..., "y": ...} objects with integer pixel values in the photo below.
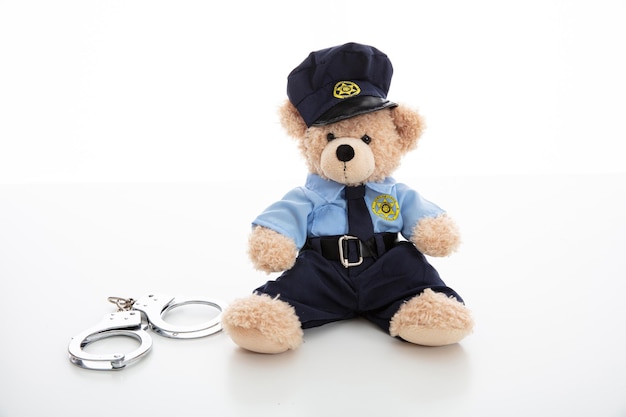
[{"x": 344, "y": 259}]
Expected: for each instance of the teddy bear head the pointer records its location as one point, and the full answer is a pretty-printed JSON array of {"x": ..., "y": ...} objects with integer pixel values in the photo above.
[
  {"x": 363, "y": 148},
  {"x": 338, "y": 111}
]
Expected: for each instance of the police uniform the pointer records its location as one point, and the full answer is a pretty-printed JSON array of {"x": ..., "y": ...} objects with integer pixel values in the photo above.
[
  {"x": 337, "y": 276},
  {"x": 319, "y": 209}
]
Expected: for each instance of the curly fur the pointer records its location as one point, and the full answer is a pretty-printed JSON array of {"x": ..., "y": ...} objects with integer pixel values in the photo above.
[
  {"x": 270, "y": 251},
  {"x": 262, "y": 324},
  {"x": 438, "y": 236},
  {"x": 397, "y": 129},
  {"x": 291, "y": 120},
  {"x": 432, "y": 319}
]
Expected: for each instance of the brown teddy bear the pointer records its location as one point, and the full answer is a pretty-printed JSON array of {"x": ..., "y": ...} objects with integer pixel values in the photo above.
[{"x": 351, "y": 241}]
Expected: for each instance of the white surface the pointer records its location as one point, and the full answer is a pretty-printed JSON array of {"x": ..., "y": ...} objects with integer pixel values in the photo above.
[{"x": 542, "y": 267}]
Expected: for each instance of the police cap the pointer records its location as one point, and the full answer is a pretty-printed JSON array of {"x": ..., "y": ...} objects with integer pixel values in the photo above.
[{"x": 340, "y": 82}]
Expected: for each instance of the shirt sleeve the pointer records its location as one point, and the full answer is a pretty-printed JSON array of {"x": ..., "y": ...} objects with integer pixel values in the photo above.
[
  {"x": 413, "y": 208},
  {"x": 288, "y": 216}
]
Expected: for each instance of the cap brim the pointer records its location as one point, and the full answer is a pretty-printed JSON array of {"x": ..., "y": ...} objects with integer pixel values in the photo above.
[{"x": 351, "y": 107}]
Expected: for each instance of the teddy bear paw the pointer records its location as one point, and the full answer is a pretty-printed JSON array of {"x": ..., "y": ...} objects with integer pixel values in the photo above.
[
  {"x": 263, "y": 324},
  {"x": 432, "y": 319},
  {"x": 270, "y": 251},
  {"x": 437, "y": 236}
]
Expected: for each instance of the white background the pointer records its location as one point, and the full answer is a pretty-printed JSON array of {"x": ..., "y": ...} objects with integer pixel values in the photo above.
[
  {"x": 139, "y": 138},
  {"x": 188, "y": 90}
]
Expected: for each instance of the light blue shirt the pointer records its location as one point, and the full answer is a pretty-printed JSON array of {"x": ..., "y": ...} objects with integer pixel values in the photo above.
[{"x": 319, "y": 209}]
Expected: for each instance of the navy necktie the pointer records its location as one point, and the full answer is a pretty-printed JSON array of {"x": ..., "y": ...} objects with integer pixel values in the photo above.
[{"x": 359, "y": 219}]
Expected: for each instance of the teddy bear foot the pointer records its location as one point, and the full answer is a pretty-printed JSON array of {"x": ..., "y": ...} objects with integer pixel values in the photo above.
[
  {"x": 263, "y": 324},
  {"x": 432, "y": 319}
]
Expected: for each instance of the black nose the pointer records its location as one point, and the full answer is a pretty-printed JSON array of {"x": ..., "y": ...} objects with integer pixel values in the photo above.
[{"x": 345, "y": 153}]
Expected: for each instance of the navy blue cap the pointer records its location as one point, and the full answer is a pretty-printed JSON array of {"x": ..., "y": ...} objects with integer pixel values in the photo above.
[{"x": 340, "y": 82}]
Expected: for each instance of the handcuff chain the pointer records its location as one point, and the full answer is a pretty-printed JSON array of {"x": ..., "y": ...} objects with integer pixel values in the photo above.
[{"x": 123, "y": 304}]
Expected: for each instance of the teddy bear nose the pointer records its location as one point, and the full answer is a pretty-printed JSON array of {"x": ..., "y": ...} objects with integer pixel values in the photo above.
[{"x": 345, "y": 153}]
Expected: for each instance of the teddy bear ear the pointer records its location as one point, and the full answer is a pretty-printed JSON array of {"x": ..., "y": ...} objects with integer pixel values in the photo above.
[
  {"x": 291, "y": 120},
  {"x": 409, "y": 125}
]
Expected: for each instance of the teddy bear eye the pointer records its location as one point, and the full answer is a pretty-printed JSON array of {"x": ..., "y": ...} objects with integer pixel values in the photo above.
[
  {"x": 366, "y": 139},
  {"x": 330, "y": 136}
]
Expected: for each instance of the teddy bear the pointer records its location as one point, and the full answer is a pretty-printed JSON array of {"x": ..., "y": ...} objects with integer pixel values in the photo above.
[{"x": 351, "y": 242}]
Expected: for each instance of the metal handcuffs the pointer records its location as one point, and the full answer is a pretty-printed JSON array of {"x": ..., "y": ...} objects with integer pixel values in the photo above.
[{"x": 132, "y": 319}]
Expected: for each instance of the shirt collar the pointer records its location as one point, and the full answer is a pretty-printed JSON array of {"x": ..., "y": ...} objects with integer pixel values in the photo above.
[
  {"x": 331, "y": 190},
  {"x": 383, "y": 187}
]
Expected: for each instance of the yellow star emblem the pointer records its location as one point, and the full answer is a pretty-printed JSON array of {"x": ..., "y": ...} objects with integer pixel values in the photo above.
[
  {"x": 345, "y": 89},
  {"x": 386, "y": 206}
]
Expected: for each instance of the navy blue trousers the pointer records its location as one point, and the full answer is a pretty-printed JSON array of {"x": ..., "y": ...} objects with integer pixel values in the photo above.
[{"x": 323, "y": 291}]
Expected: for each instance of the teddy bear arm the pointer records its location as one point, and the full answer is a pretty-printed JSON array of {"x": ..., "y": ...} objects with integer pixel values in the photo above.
[
  {"x": 436, "y": 236},
  {"x": 271, "y": 251}
]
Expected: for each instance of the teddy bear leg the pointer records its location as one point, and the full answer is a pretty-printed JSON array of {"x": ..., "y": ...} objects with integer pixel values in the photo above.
[
  {"x": 431, "y": 319},
  {"x": 263, "y": 324}
]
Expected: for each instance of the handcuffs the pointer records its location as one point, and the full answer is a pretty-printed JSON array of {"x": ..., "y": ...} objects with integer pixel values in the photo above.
[{"x": 132, "y": 319}]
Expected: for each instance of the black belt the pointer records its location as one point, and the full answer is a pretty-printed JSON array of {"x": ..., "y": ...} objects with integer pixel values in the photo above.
[{"x": 350, "y": 250}]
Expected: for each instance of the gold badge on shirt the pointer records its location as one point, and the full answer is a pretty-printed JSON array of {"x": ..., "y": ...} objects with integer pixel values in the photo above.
[{"x": 386, "y": 206}]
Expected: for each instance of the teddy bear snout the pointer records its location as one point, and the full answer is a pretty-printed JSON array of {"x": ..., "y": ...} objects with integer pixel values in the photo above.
[
  {"x": 345, "y": 153},
  {"x": 347, "y": 160}
]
